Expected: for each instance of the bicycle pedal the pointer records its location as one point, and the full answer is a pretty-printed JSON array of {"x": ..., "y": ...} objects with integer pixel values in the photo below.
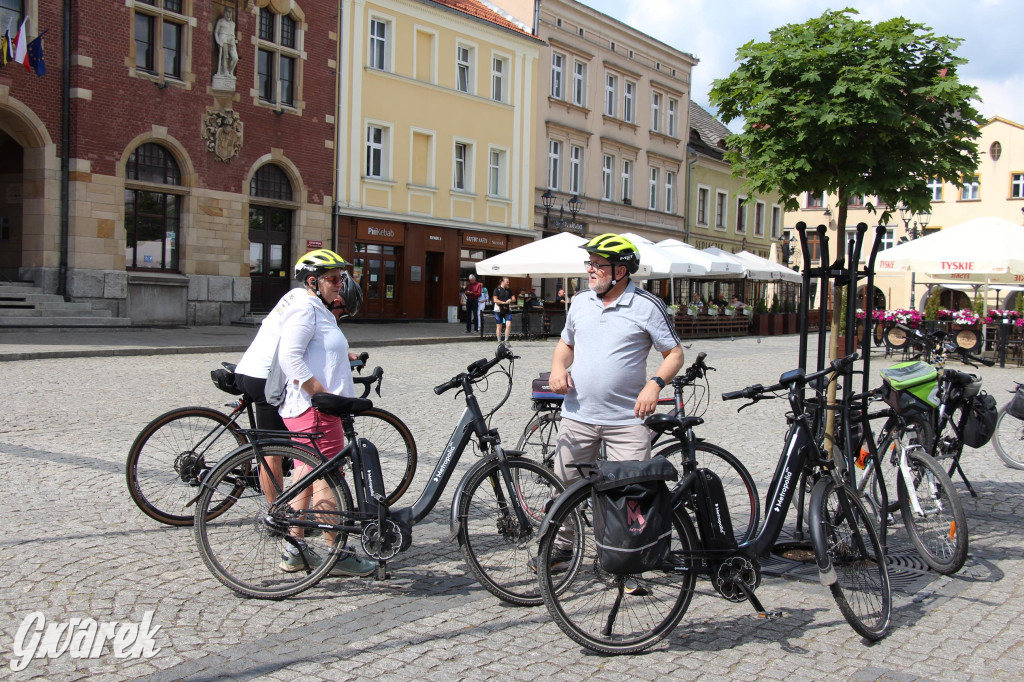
[{"x": 771, "y": 615}]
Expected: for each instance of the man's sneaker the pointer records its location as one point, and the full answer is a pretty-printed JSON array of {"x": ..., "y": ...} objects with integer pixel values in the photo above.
[
  {"x": 634, "y": 588},
  {"x": 292, "y": 559},
  {"x": 354, "y": 565},
  {"x": 560, "y": 559}
]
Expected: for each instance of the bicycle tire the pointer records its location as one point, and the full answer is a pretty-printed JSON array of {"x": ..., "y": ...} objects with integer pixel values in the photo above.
[
  {"x": 540, "y": 439},
  {"x": 921, "y": 433},
  {"x": 1009, "y": 439},
  {"x": 169, "y": 457},
  {"x": 940, "y": 532},
  {"x": 590, "y": 605},
  {"x": 495, "y": 549},
  {"x": 861, "y": 588},
  {"x": 240, "y": 549},
  {"x": 396, "y": 446},
  {"x": 740, "y": 490}
]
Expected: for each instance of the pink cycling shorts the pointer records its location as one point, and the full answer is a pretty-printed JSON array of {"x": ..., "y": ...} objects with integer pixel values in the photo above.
[{"x": 312, "y": 421}]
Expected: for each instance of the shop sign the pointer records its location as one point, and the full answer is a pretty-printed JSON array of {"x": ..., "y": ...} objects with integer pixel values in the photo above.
[
  {"x": 381, "y": 232},
  {"x": 484, "y": 240},
  {"x": 314, "y": 244}
]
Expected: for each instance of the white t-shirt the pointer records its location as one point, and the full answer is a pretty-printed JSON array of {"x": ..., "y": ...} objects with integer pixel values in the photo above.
[
  {"x": 256, "y": 360},
  {"x": 312, "y": 346}
]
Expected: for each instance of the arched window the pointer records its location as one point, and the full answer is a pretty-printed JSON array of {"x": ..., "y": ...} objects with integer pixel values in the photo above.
[
  {"x": 271, "y": 210},
  {"x": 152, "y": 214}
]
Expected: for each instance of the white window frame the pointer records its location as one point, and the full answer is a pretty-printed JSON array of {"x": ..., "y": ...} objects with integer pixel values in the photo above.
[
  {"x": 741, "y": 214},
  {"x": 703, "y": 204},
  {"x": 935, "y": 185},
  {"x": 656, "y": 111},
  {"x": 629, "y": 102},
  {"x": 380, "y": 149},
  {"x": 673, "y": 117},
  {"x": 627, "y": 181},
  {"x": 670, "y": 191},
  {"x": 1017, "y": 185},
  {"x": 497, "y": 172},
  {"x": 575, "y": 168},
  {"x": 554, "y": 163},
  {"x": 499, "y": 67},
  {"x": 377, "y": 44},
  {"x": 607, "y": 169},
  {"x": 464, "y": 65},
  {"x": 759, "y": 207},
  {"x": 558, "y": 75},
  {"x": 971, "y": 191},
  {"x": 721, "y": 210},
  {"x": 652, "y": 189},
  {"x": 611, "y": 94},
  {"x": 579, "y": 83},
  {"x": 466, "y": 163}
]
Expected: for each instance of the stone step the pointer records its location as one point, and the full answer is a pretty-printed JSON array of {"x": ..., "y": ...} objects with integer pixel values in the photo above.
[
  {"x": 13, "y": 288},
  {"x": 29, "y": 297},
  {"x": 75, "y": 309},
  {"x": 16, "y": 322}
]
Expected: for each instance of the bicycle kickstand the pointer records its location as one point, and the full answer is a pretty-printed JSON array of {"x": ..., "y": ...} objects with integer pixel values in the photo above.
[{"x": 756, "y": 603}]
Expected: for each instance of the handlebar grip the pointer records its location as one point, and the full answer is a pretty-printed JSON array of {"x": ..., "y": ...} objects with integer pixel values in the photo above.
[
  {"x": 364, "y": 356},
  {"x": 700, "y": 357},
  {"x": 732, "y": 395},
  {"x": 448, "y": 385}
]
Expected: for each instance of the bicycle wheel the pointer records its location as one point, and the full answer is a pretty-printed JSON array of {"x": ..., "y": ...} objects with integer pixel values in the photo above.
[
  {"x": 496, "y": 547},
  {"x": 845, "y": 540},
  {"x": 608, "y": 613},
  {"x": 245, "y": 553},
  {"x": 396, "y": 447},
  {"x": 938, "y": 529},
  {"x": 740, "y": 491},
  {"x": 540, "y": 438},
  {"x": 1009, "y": 439},
  {"x": 917, "y": 432},
  {"x": 169, "y": 457}
]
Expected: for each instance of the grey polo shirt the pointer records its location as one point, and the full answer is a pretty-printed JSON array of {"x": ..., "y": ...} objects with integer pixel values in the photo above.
[{"x": 610, "y": 348}]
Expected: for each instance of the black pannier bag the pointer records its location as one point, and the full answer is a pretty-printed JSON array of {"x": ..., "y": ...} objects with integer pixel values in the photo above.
[
  {"x": 633, "y": 514},
  {"x": 981, "y": 420},
  {"x": 1016, "y": 407}
]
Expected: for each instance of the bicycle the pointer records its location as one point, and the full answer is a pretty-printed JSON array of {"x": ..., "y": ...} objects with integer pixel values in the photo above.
[
  {"x": 173, "y": 453},
  {"x": 496, "y": 509},
  {"x": 540, "y": 439},
  {"x": 616, "y": 614},
  {"x": 1009, "y": 436}
]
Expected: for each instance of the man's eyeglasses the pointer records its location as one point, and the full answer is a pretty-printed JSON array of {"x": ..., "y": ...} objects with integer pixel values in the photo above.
[{"x": 591, "y": 265}]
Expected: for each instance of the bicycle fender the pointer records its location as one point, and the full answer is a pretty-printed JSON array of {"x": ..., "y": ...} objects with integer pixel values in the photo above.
[
  {"x": 460, "y": 490},
  {"x": 826, "y": 572},
  {"x": 560, "y": 500}
]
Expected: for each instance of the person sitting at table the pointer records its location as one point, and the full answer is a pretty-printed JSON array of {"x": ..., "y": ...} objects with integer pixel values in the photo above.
[
  {"x": 737, "y": 303},
  {"x": 560, "y": 297},
  {"x": 532, "y": 302},
  {"x": 720, "y": 301},
  {"x": 696, "y": 300}
]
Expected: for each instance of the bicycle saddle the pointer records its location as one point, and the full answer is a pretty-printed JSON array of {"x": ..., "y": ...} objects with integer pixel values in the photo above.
[
  {"x": 339, "y": 406},
  {"x": 666, "y": 422}
]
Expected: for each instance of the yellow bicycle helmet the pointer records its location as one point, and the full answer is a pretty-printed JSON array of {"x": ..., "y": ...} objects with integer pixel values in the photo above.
[
  {"x": 317, "y": 263},
  {"x": 617, "y": 249}
]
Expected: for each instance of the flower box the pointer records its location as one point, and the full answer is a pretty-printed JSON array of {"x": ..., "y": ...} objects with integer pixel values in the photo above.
[{"x": 730, "y": 311}]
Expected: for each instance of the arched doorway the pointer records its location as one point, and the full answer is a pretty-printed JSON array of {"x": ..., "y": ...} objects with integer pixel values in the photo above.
[
  {"x": 875, "y": 302},
  {"x": 11, "y": 201},
  {"x": 951, "y": 299},
  {"x": 271, "y": 214}
]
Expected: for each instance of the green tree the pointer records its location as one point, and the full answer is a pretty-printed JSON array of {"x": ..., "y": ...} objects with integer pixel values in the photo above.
[{"x": 849, "y": 107}]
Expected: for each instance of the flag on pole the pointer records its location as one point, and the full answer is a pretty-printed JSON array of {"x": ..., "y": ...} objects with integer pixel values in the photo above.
[
  {"x": 21, "y": 44},
  {"x": 6, "y": 46},
  {"x": 35, "y": 56}
]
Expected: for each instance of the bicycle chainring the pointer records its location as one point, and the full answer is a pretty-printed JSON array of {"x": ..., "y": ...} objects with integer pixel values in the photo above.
[
  {"x": 381, "y": 543},
  {"x": 737, "y": 569}
]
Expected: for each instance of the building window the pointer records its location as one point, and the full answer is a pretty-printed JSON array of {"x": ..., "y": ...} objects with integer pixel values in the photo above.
[
  {"x": 741, "y": 215},
  {"x": 379, "y": 48},
  {"x": 627, "y": 102},
  {"x": 579, "y": 84},
  {"x": 627, "y": 181},
  {"x": 995, "y": 150},
  {"x": 575, "y": 168},
  {"x": 670, "y": 192},
  {"x": 673, "y": 117},
  {"x": 703, "y": 195},
  {"x": 278, "y": 58},
  {"x": 721, "y": 207},
  {"x": 759, "y": 219},
  {"x": 655, "y": 111},
  {"x": 611, "y": 86},
  {"x": 12, "y": 12},
  {"x": 970, "y": 190},
  {"x": 652, "y": 194},
  {"x": 463, "y": 167},
  {"x": 496, "y": 173},
  {"x": 557, "y": 75},
  {"x": 855, "y": 201},
  {"x": 607, "y": 168},
  {"x": 554, "y": 159},
  {"x": 776, "y": 221},
  {"x": 1017, "y": 186},
  {"x": 498, "y": 69},
  {"x": 464, "y": 69},
  {"x": 152, "y": 219},
  {"x": 376, "y": 151},
  {"x": 159, "y": 35},
  {"x": 935, "y": 185},
  {"x": 815, "y": 200}
]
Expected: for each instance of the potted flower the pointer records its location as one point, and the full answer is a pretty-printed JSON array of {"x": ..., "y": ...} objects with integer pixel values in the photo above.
[
  {"x": 672, "y": 309},
  {"x": 693, "y": 310},
  {"x": 730, "y": 311}
]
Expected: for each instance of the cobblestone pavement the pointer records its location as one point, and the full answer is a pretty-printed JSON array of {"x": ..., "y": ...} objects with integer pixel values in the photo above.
[{"x": 74, "y": 546}]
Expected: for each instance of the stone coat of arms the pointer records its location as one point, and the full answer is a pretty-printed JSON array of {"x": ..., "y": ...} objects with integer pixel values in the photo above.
[{"x": 222, "y": 132}]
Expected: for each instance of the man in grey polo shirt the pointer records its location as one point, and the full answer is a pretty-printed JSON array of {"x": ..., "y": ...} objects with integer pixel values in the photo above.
[{"x": 608, "y": 335}]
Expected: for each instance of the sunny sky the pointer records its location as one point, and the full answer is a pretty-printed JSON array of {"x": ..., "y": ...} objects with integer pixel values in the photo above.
[{"x": 711, "y": 30}]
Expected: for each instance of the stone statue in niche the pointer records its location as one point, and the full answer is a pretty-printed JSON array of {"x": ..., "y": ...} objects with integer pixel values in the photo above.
[
  {"x": 222, "y": 132},
  {"x": 227, "y": 55}
]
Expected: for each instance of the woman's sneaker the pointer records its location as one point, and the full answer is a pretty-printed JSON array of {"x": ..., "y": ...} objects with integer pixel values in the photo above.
[
  {"x": 292, "y": 560},
  {"x": 354, "y": 565}
]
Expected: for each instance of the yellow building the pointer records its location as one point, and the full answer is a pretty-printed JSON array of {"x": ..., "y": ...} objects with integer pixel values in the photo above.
[
  {"x": 435, "y": 165},
  {"x": 996, "y": 189}
]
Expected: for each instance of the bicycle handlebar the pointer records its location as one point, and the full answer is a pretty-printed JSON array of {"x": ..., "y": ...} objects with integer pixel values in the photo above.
[
  {"x": 477, "y": 369},
  {"x": 369, "y": 381},
  {"x": 359, "y": 362},
  {"x": 796, "y": 376}
]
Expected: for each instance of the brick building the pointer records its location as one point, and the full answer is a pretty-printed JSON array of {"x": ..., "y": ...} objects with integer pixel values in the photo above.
[{"x": 199, "y": 152}]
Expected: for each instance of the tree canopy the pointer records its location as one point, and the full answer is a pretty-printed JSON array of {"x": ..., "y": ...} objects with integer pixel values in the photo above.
[{"x": 849, "y": 107}]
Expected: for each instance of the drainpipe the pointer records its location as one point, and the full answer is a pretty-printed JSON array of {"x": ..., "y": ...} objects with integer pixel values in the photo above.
[
  {"x": 536, "y": 17},
  {"x": 689, "y": 194},
  {"x": 65, "y": 154}
]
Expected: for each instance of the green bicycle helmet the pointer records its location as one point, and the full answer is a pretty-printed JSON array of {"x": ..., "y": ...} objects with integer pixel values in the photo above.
[
  {"x": 617, "y": 249},
  {"x": 317, "y": 263}
]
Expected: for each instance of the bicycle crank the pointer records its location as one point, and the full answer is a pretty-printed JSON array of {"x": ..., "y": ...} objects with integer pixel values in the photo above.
[
  {"x": 379, "y": 542},
  {"x": 735, "y": 573}
]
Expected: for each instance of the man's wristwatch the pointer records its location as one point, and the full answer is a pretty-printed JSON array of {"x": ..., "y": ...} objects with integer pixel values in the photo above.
[{"x": 658, "y": 380}]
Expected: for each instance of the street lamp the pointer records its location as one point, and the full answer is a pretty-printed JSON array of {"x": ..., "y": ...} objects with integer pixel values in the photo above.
[
  {"x": 786, "y": 246},
  {"x": 561, "y": 224},
  {"x": 907, "y": 215}
]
